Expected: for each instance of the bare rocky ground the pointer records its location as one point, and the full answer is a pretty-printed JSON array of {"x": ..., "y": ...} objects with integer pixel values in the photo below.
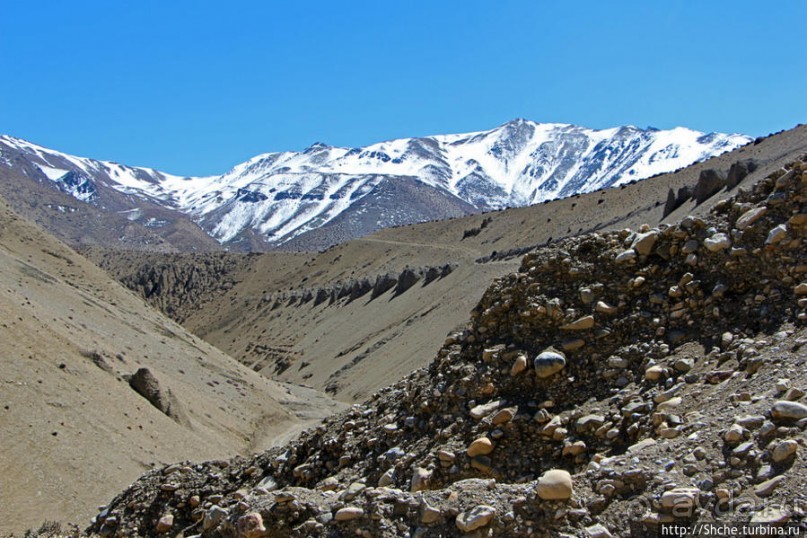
[{"x": 618, "y": 381}]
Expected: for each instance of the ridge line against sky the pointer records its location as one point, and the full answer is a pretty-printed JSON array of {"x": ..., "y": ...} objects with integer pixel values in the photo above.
[{"x": 194, "y": 87}]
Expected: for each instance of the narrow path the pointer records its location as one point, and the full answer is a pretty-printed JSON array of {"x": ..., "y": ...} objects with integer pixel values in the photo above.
[{"x": 456, "y": 248}]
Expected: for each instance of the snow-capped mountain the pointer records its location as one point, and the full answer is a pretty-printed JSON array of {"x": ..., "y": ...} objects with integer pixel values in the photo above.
[{"x": 275, "y": 198}]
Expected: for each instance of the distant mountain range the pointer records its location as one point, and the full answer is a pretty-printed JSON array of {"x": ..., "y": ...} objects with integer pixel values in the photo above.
[{"x": 324, "y": 195}]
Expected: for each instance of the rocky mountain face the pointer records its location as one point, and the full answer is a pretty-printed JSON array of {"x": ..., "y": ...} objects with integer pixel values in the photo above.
[
  {"x": 175, "y": 283},
  {"x": 324, "y": 195},
  {"x": 619, "y": 380},
  {"x": 77, "y": 201}
]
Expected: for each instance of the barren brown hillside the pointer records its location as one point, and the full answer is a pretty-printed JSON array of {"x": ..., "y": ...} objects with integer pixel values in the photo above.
[{"x": 73, "y": 429}]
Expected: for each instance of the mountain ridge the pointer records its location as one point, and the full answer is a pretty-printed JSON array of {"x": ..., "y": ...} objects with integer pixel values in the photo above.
[{"x": 274, "y": 199}]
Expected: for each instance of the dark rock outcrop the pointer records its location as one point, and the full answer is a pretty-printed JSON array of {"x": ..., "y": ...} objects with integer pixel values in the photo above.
[
  {"x": 406, "y": 280},
  {"x": 146, "y": 384},
  {"x": 710, "y": 182},
  {"x": 739, "y": 171},
  {"x": 674, "y": 201}
]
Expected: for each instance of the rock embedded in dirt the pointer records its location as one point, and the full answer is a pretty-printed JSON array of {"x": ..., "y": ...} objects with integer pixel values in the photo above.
[
  {"x": 626, "y": 256},
  {"x": 750, "y": 217},
  {"x": 420, "y": 479},
  {"x": 519, "y": 365},
  {"x": 548, "y": 363},
  {"x": 164, "y": 524},
  {"x": 604, "y": 308},
  {"x": 784, "y": 451},
  {"x": 581, "y": 324},
  {"x": 251, "y": 526},
  {"x": 598, "y": 531},
  {"x": 680, "y": 498},
  {"x": 555, "y": 484},
  {"x": 476, "y": 518},
  {"x": 717, "y": 242},
  {"x": 773, "y": 516},
  {"x": 766, "y": 488},
  {"x": 776, "y": 235},
  {"x": 735, "y": 434},
  {"x": 655, "y": 372},
  {"x": 787, "y": 410},
  {"x": 504, "y": 416},
  {"x": 213, "y": 517},
  {"x": 481, "y": 411},
  {"x": 480, "y": 447},
  {"x": 644, "y": 242},
  {"x": 348, "y": 513}
]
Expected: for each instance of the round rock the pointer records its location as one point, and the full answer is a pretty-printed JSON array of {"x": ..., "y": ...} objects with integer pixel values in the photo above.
[
  {"x": 480, "y": 447},
  {"x": 784, "y": 450},
  {"x": 555, "y": 485},
  {"x": 785, "y": 410},
  {"x": 165, "y": 523},
  {"x": 251, "y": 526},
  {"x": 548, "y": 363},
  {"x": 475, "y": 518}
]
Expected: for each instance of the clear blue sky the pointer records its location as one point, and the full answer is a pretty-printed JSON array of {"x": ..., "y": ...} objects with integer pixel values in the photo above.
[{"x": 194, "y": 87}]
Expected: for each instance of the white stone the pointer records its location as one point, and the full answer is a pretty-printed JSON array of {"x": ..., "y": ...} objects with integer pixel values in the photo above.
[
  {"x": 717, "y": 242},
  {"x": 785, "y": 410},
  {"x": 548, "y": 363},
  {"x": 598, "y": 531},
  {"x": 680, "y": 498},
  {"x": 348, "y": 513},
  {"x": 475, "y": 518},
  {"x": 555, "y": 484}
]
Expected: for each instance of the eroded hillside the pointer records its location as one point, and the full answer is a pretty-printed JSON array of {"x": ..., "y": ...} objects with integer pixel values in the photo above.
[
  {"x": 618, "y": 380},
  {"x": 97, "y": 387}
]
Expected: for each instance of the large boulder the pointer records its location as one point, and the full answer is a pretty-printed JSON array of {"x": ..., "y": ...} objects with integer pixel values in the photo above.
[
  {"x": 146, "y": 384},
  {"x": 710, "y": 182},
  {"x": 738, "y": 171}
]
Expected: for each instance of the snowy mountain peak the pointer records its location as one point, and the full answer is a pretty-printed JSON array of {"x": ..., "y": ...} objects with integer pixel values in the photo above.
[{"x": 276, "y": 197}]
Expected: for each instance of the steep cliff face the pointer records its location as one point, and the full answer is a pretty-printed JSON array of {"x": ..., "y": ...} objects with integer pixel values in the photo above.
[
  {"x": 619, "y": 380},
  {"x": 176, "y": 284}
]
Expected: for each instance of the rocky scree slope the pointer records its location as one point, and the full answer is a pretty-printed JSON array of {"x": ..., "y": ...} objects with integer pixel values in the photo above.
[
  {"x": 631, "y": 377},
  {"x": 325, "y": 195}
]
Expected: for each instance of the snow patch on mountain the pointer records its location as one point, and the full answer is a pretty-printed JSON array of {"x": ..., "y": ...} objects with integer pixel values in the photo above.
[{"x": 53, "y": 174}]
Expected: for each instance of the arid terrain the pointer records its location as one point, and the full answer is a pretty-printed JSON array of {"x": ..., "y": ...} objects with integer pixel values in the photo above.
[
  {"x": 74, "y": 431},
  {"x": 352, "y": 319},
  {"x": 618, "y": 381},
  {"x": 642, "y": 344}
]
